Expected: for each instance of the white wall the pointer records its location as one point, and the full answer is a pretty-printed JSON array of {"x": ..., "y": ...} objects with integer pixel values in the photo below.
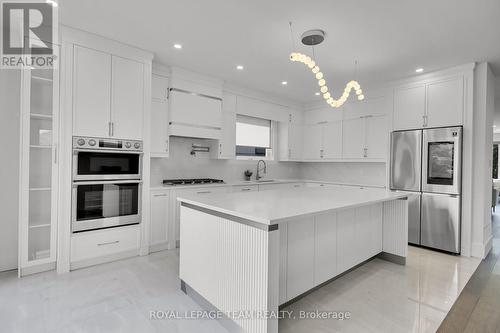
[
  {"x": 10, "y": 84},
  {"x": 483, "y": 144},
  {"x": 181, "y": 164}
]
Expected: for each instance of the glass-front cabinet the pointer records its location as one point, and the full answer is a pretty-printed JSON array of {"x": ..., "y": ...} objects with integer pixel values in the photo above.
[{"x": 38, "y": 174}]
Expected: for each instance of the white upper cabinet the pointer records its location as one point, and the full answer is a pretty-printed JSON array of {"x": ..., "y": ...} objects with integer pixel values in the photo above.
[
  {"x": 295, "y": 143},
  {"x": 290, "y": 137},
  {"x": 322, "y": 141},
  {"x": 195, "y": 105},
  {"x": 365, "y": 138},
  {"x": 353, "y": 138},
  {"x": 445, "y": 103},
  {"x": 159, "y": 129},
  {"x": 436, "y": 103},
  {"x": 409, "y": 107},
  {"x": 91, "y": 92},
  {"x": 227, "y": 142},
  {"x": 331, "y": 140},
  {"x": 195, "y": 110},
  {"x": 108, "y": 95},
  {"x": 312, "y": 142},
  {"x": 127, "y": 98},
  {"x": 377, "y": 136},
  {"x": 159, "y": 87},
  {"x": 159, "y": 117}
]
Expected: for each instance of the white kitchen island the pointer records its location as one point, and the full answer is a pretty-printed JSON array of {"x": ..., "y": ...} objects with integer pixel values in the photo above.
[{"x": 247, "y": 254}]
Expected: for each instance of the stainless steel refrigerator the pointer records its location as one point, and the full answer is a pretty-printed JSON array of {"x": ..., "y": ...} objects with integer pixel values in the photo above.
[{"x": 428, "y": 164}]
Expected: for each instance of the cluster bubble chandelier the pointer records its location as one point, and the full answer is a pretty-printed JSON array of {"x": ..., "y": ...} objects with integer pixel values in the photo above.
[{"x": 315, "y": 37}]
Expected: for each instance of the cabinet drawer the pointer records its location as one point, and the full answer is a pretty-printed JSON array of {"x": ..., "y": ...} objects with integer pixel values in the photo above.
[
  {"x": 94, "y": 244},
  {"x": 245, "y": 188}
]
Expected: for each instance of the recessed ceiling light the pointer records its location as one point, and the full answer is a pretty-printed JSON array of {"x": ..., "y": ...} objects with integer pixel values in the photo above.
[
  {"x": 284, "y": 83},
  {"x": 317, "y": 93},
  {"x": 178, "y": 46},
  {"x": 419, "y": 70},
  {"x": 240, "y": 67}
]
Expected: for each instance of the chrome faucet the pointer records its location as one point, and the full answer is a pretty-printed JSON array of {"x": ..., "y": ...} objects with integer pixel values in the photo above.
[{"x": 257, "y": 177}]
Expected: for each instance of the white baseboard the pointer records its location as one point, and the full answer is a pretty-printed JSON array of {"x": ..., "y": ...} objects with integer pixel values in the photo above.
[
  {"x": 480, "y": 250},
  {"x": 158, "y": 247},
  {"x": 37, "y": 269}
]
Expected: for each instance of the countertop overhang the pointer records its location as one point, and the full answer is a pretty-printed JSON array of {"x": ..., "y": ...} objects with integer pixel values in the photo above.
[{"x": 275, "y": 206}]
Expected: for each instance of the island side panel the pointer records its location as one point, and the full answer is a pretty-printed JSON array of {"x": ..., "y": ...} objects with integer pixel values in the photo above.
[
  {"x": 395, "y": 228},
  {"x": 232, "y": 265}
]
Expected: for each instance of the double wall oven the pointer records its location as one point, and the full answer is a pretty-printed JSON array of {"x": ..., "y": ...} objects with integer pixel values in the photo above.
[{"x": 107, "y": 183}]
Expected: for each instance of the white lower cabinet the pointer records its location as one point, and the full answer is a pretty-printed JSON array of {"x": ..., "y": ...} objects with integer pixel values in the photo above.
[
  {"x": 361, "y": 242},
  {"x": 175, "y": 216},
  {"x": 368, "y": 231},
  {"x": 160, "y": 202},
  {"x": 346, "y": 237},
  {"x": 325, "y": 248},
  {"x": 102, "y": 244},
  {"x": 283, "y": 229},
  {"x": 316, "y": 249},
  {"x": 300, "y": 266}
]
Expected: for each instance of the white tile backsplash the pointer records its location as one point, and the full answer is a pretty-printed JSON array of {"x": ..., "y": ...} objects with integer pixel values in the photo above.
[
  {"x": 181, "y": 164},
  {"x": 350, "y": 173}
]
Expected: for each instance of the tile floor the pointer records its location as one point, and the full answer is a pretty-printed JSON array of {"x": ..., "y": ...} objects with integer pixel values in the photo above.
[
  {"x": 477, "y": 307},
  {"x": 117, "y": 297}
]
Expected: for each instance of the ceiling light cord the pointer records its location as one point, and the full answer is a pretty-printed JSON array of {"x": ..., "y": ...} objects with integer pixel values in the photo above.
[{"x": 292, "y": 43}]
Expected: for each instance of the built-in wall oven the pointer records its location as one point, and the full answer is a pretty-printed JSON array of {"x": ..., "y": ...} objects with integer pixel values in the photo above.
[{"x": 107, "y": 183}]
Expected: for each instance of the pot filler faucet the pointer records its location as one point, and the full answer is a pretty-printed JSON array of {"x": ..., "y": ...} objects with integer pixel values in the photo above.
[{"x": 258, "y": 176}]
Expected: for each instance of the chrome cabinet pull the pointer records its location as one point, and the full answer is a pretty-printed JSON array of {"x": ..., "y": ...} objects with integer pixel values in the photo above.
[
  {"x": 160, "y": 195},
  {"x": 109, "y": 128},
  {"x": 246, "y": 189},
  {"x": 203, "y": 192},
  {"x": 365, "y": 152},
  {"x": 108, "y": 243}
]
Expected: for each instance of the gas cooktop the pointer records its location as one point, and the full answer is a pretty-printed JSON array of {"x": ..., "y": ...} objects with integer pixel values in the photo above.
[{"x": 192, "y": 181}]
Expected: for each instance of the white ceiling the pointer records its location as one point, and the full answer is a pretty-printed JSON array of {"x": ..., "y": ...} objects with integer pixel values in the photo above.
[{"x": 389, "y": 38}]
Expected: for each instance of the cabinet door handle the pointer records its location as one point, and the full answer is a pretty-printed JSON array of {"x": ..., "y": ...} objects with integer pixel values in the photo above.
[
  {"x": 112, "y": 129},
  {"x": 109, "y": 128},
  {"x": 108, "y": 243},
  {"x": 203, "y": 192},
  {"x": 296, "y": 185},
  {"x": 55, "y": 153},
  {"x": 365, "y": 154},
  {"x": 160, "y": 195},
  {"x": 246, "y": 189}
]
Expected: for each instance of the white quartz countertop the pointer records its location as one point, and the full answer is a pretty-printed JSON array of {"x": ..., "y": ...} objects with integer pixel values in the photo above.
[
  {"x": 255, "y": 182},
  {"x": 273, "y": 206}
]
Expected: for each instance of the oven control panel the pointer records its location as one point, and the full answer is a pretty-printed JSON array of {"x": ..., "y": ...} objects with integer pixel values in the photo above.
[{"x": 80, "y": 142}]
